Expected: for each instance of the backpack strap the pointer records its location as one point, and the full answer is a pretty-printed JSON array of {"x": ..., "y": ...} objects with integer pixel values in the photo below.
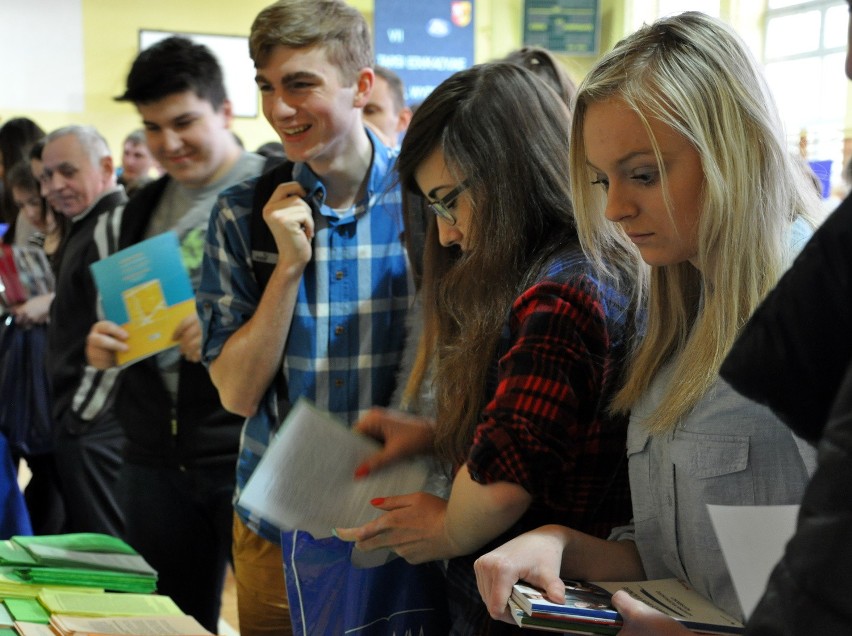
[{"x": 264, "y": 252}]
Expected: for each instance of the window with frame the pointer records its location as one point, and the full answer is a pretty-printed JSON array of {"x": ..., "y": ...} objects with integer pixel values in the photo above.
[
  {"x": 804, "y": 56},
  {"x": 646, "y": 11}
]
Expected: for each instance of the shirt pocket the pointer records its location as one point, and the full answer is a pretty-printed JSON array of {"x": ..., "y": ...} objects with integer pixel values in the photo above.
[
  {"x": 641, "y": 480},
  {"x": 709, "y": 469},
  {"x": 702, "y": 456}
]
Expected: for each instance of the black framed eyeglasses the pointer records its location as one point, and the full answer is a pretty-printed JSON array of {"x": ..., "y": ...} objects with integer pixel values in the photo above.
[{"x": 441, "y": 207}]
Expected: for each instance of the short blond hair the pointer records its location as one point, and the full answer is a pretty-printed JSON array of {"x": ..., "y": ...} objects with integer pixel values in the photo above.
[{"x": 339, "y": 28}]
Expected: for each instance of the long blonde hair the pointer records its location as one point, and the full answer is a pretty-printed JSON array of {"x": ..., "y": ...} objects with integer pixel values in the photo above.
[{"x": 694, "y": 74}]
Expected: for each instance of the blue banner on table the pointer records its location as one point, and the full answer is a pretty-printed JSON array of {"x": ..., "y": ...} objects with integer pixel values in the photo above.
[{"x": 423, "y": 42}]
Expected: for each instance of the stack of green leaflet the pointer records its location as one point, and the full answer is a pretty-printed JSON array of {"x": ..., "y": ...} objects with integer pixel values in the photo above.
[
  {"x": 87, "y": 560},
  {"x": 108, "y": 604},
  {"x": 12, "y": 585}
]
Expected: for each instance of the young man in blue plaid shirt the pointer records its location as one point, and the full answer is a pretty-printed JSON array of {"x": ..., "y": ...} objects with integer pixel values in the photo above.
[{"x": 332, "y": 314}]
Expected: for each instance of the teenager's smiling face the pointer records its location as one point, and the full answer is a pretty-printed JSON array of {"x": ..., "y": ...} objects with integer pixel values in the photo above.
[
  {"x": 621, "y": 160},
  {"x": 186, "y": 134},
  {"x": 307, "y": 102}
]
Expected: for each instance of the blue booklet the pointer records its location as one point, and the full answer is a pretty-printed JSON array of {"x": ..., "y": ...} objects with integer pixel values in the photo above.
[{"x": 145, "y": 289}]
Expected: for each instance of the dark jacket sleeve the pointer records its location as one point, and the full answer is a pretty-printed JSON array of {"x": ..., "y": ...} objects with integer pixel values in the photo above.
[
  {"x": 792, "y": 354},
  {"x": 809, "y": 590}
]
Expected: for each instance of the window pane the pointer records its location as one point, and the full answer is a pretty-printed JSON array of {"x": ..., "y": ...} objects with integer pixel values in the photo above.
[
  {"x": 780, "y": 4},
  {"x": 793, "y": 34},
  {"x": 710, "y": 7},
  {"x": 832, "y": 98},
  {"x": 836, "y": 19},
  {"x": 794, "y": 85}
]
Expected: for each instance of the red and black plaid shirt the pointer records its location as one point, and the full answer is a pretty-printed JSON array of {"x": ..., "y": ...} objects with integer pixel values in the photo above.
[{"x": 546, "y": 427}]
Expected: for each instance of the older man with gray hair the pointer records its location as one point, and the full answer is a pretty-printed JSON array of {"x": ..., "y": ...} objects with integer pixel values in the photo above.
[{"x": 80, "y": 181}]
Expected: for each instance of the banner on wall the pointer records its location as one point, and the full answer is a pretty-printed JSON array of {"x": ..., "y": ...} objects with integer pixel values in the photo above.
[
  {"x": 571, "y": 27},
  {"x": 423, "y": 42}
]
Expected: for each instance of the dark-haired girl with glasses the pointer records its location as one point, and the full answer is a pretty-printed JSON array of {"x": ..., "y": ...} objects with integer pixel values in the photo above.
[{"x": 524, "y": 342}]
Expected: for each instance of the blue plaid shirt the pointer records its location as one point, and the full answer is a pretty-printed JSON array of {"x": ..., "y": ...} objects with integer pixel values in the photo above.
[{"x": 348, "y": 328}]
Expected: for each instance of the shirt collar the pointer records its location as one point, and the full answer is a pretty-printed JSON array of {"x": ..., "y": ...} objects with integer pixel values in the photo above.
[
  {"x": 87, "y": 211},
  {"x": 378, "y": 181}
]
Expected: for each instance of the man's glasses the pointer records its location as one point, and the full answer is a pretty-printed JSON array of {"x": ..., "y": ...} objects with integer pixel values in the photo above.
[{"x": 441, "y": 207}]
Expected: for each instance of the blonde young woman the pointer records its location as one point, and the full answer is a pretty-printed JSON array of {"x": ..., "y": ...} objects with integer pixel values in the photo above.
[{"x": 677, "y": 152}]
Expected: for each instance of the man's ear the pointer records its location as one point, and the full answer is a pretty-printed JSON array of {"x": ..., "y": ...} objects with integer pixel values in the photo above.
[
  {"x": 363, "y": 87},
  {"x": 403, "y": 119},
  {"x": 107, "y": 168},
  {"x": 227, "y": 111}
]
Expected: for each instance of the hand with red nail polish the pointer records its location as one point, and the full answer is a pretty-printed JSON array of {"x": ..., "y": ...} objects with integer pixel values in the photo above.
[
  {"x": 402, "y": 434},
  {"x": 412, "y": 527}
]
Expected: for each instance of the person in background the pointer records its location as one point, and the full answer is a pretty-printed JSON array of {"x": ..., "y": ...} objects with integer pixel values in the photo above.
[
  {"x": 43, "y": 494},
  {"x": 527, "y": 339},
  {"x": 545, "y": 66},
  {"x": 50, "y": 230},
  {"x": 17, "y": 136},
  {"x": 678, "y": 153},
  {"x": 138, "y": 165},
  {"x": 314, "y": 70},
  {"x": 79, "y": 177},
  {"x": 179, "y": 470},
  {"x": 386, "y": 110},
  {"x": 37, "y": 167}
]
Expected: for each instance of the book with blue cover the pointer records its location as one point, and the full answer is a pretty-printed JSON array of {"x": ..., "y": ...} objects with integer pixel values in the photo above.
[
  {"x": 588, "y": 609},
  {"x": 145, "y": 289}
]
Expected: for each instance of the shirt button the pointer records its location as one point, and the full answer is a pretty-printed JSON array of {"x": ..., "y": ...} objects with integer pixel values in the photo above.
[
  {"x": 339, "y": 330},
  {"x": 338, "y": 275},
  {"x": 338, "y": 383}
]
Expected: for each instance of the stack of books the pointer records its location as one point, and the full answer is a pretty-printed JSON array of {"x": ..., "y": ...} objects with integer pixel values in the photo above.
[
  {"x": 89, "y": 560},
  {"x": 85, "y": 583},
  {"x": 588, "y": 608},
  {"x": 78, "y": 614}
]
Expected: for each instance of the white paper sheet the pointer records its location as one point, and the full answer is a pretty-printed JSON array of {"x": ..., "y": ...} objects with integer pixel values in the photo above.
[
  {"x": 305, "y": 480},
  {"x": 752, "y": 539}
]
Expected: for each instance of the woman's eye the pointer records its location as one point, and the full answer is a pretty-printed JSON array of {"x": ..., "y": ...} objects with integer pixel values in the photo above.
[{"x": 645, "y": 178}]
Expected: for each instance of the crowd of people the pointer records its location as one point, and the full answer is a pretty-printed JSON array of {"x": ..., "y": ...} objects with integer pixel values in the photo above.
[{"x": 600, "y": 306}]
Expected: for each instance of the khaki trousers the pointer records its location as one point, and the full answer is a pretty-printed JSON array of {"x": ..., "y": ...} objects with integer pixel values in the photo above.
[{"x": 261, "y": 593}]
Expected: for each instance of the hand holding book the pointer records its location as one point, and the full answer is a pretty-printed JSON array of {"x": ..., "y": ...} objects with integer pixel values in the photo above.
[
  {"x": 588, "y": 608},
  {"x": 146, "y": 291},
  {"x": 643, "y": 620},
  {"x": 105, "y": 340}
]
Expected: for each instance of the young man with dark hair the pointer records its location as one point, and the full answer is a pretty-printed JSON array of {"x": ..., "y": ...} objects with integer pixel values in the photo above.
[
  {"x": 178, "y": 476},
  {"x": 330, "y": 318}
]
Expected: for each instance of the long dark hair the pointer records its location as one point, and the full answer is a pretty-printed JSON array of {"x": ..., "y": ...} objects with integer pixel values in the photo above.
[
  {"x": 505, "y": 133},
  {"x": 17, "y": 136}
]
